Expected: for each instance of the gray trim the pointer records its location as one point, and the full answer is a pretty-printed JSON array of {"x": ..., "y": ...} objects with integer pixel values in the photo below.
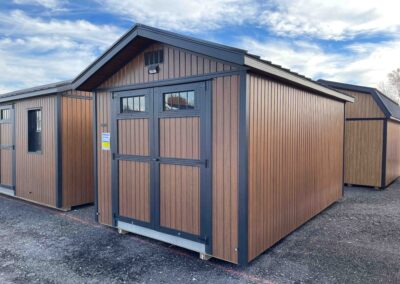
[
  {"x": 95, "y": 173},
  {"x": 365, "y": 118},
  {"x": 295, "y": 79},
  {"x": 169, "y": 82},
  {"x": 344, "y": 147},
  {"x": 384, "y": 153},
  {"x": 58, "y": 155},
  {"x": 243, "y": 171}
]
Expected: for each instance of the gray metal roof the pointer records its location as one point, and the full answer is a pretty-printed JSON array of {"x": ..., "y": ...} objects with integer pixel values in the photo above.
[
  {"x": 91, "y": 77},
  {"x": 389, "y": 107},
  {"x": 37, "y": 91}
]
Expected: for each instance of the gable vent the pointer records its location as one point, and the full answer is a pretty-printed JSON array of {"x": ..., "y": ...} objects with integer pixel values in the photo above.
[{"x": 153, "y": 57}]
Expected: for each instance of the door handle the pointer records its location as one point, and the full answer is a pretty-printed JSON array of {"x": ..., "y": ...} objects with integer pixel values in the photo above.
[{"x": 156, "y": 159}]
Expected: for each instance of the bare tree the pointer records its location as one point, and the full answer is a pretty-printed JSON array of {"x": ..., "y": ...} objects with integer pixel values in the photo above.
[{"x": 394, "y": 79}]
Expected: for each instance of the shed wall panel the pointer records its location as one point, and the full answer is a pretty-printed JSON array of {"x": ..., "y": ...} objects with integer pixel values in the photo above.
[
  {"x": 364, "y": 106},
  {"x": 363, "y": 148},
  {"x": 177, "y": 63},
  {"x": 392, "y": 152},
  {"x": 6, "y": 132},
  {"x": 36, "y": 172},
  {"x": 104, "y": 201},
  {"x": 225, "y": 167},
  {"x": 295, "y": 166},
  {"x": 77, "y": 149}
]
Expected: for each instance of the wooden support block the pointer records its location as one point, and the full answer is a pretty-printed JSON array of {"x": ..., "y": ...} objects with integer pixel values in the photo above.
[
  {"x": 122, "y": 232},
  {"x": 204, "y": 256}
]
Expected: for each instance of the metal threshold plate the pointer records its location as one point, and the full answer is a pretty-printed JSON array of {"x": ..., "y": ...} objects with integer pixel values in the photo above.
[
  {"x": 7, "y": 191},
  {"x": 174, "y": 240}
]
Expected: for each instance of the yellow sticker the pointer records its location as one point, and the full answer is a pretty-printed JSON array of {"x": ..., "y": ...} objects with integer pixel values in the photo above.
[{"x": 105, "y": 141}]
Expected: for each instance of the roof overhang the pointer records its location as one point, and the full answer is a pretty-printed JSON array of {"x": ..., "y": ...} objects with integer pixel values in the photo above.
[
  {"x": 289, "y": 76},
  {"x": 43, "y": 90}
]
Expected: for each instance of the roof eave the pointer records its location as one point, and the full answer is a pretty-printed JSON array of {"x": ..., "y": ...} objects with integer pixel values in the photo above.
[{"x": 287, "y": 76}]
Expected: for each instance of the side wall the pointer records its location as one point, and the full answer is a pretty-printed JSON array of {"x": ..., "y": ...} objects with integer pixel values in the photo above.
[
  {"x": 295, "y": 166},
  {"x": 36, "y": 172},
  {"x": 77, "y": 148},
  {"x": 363, "y": 148},
  {"x": 392, "y": 152}
]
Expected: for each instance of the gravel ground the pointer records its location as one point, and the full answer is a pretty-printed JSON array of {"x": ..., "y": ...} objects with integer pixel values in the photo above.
[{"x": 356, "y": 240}]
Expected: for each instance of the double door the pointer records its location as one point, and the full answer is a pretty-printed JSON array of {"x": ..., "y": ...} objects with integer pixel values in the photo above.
[{"x": 161, "y": 170}]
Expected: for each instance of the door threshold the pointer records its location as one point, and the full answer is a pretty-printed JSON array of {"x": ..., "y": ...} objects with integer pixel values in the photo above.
[
  {"x": 7, "y": 191},
  {"x": 153, "y": 234}
]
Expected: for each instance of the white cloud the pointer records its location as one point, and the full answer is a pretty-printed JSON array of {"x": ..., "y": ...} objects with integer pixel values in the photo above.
[
  {"x": 191, "y": 15},
  {"x": 49, "y": 4},
  {"x": 366, "y": 64},
  {"x": 338, "y": 19},
  {"x": 34, "y": 51}
]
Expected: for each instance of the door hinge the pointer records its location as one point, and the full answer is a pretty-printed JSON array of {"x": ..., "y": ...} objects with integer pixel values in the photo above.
[
  {"x": 113, "y": 156},
  {"x": 206, "y": 163}
]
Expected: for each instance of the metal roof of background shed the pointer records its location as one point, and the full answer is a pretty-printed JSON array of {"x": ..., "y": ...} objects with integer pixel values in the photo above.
[{"x": 389, "y": 107}]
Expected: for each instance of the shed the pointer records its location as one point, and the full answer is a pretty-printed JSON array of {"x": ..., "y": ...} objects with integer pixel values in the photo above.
[
  {"x": 46, "y": 140},
  {"x": 372, "y": 136},
  {"x": 207, "y": 147}
]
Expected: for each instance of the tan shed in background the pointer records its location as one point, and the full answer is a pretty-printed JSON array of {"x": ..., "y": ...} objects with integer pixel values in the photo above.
[
  {"x": 372, "y": 148},
  {"x": 60, "y": 175}
]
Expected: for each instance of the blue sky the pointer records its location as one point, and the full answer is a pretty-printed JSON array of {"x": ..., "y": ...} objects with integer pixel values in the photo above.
[{"x": 44, "y": 41}]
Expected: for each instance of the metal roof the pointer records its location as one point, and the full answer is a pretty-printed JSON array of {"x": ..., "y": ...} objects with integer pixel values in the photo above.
[
  {"x": 389, "y": 107},
  {"x": 91, "y": 77},
  {"x": 37, "y": 91}
]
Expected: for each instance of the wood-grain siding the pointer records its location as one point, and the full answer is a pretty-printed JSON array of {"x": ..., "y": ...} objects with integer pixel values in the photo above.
[
  {"x": 363, "y": 152},
  {"x": 180, "y": 198},
  {"x": 364, "y": 106},
  {"x": 295, "y": 165},
  {"x": 177, "y": 63},
  {"x": 36, "y": 172},
  {"x": 392, "y": 152},
  {"x": 134, "y": 190},
  {"x": 133, "y": 136},
  {"x": 77, "y": 150},
  {"x": 180, "y": 137},
  {"x": 6, "y": 164},
  {"x": 104, "y": 201},
  {"x": 225, "y": 169}
]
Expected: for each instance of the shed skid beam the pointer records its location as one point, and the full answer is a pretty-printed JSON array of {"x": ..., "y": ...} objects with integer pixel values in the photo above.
[
  {"x": 122, "y": 232},
  {"x": 204, "y": 256}
]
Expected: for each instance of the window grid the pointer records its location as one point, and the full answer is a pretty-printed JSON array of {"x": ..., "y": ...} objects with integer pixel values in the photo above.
[
  {"x": 133, "y": 104},
  {"x": 179, "y": 101}
]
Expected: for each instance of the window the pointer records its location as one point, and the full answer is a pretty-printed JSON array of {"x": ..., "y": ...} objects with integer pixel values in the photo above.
[
  {"x": 153, "y": 57},
  {"x": 5, "y": 114},
  {"x": 34, "y": 130},
  {"x": 133, "y": 104},
  {"x": 179, "y": 101}
]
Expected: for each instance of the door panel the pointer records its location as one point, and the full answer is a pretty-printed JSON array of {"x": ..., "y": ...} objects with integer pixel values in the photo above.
[
  {"x": 160, "y": 172},
  {"x": 133, "y": 137},
  {"x": 134, "y": 190},
  {"x": 7, "y": 147},
  {"x": 180, "y": 137},
  {"x": 180, "y": 198}
]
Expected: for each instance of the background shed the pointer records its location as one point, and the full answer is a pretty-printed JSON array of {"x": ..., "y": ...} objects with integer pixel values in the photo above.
[
  {"x": 372, "y": 145},
  {"x": 46, "y": 145}
]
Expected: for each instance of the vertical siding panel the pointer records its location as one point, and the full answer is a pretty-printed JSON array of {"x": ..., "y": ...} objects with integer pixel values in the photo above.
[{"x": 292, "y": 151}]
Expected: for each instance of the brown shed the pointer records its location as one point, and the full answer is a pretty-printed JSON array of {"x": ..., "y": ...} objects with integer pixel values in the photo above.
[
  {"x": 46, "y": 139},
  {"x": 372, "y": 151},
  {"x": 210, "y": 148}
]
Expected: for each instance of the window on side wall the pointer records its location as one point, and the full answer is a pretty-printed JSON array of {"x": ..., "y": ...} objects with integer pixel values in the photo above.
[{"x": 35, "y": 130}]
